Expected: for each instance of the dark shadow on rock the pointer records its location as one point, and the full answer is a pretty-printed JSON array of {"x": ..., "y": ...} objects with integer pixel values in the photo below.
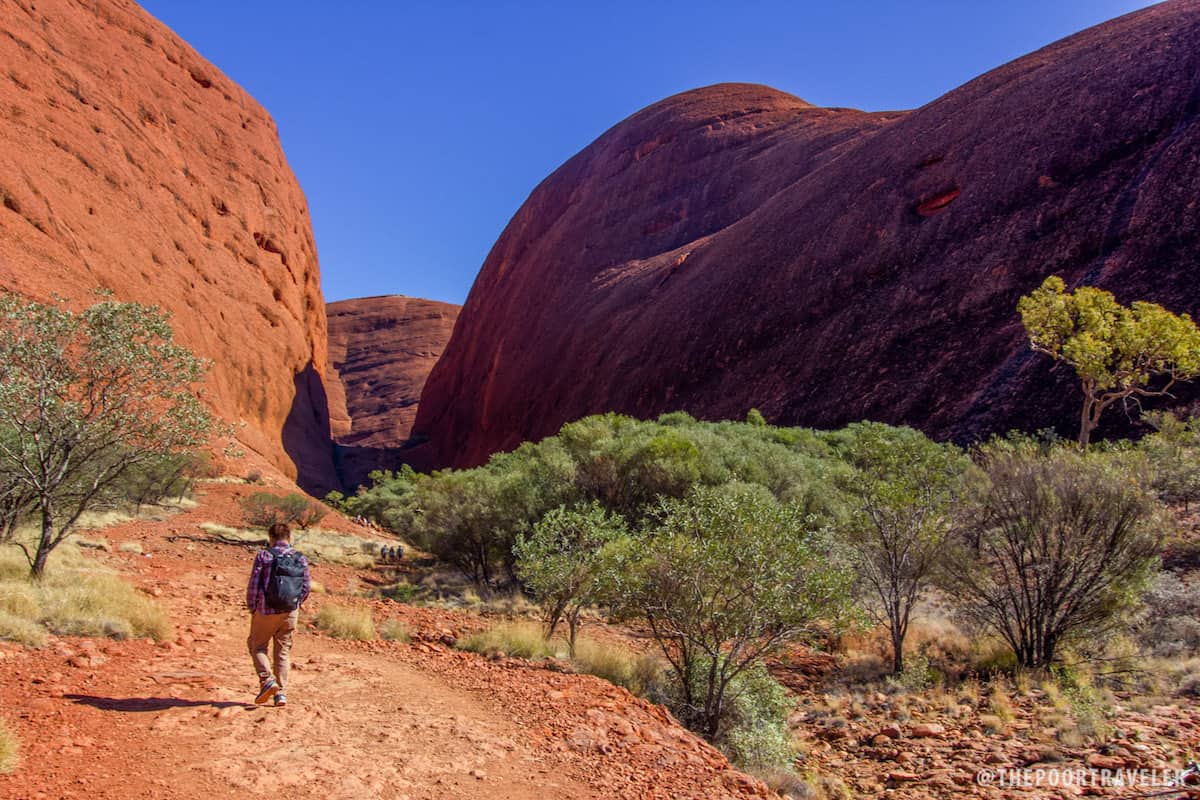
[
  {"x": 141, "y": 704},
  {"x": 306, "y": 437}
]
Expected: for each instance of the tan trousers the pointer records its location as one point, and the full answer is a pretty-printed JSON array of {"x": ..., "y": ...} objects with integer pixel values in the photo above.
[{"x": 265, "y": 628}]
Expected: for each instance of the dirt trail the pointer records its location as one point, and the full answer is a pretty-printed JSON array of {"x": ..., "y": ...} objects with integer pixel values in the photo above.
[{"x": 108, "y": 719}]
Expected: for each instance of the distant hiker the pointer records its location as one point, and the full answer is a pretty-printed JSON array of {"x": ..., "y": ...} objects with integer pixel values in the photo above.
[
  {"x": 279, "y": 584},
  {"x": 397, "y": 553}
]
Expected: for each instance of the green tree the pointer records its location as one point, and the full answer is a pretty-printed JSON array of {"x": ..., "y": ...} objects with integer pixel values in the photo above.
[
  {"x": 903, "y": 494},
  {"x": 87, "y": 398},
  {"x": 723, "y": 579},
  {"x": 1117, "y": 351},
  {"x": 1054, "y": 547},
  {"x": 560, "y": 562}
]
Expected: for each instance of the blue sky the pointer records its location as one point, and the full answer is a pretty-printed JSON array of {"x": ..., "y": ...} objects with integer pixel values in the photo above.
[{"x": 417, "y": 130}]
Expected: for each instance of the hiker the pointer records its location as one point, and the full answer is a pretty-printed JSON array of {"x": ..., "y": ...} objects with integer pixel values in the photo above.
[{"x": 279, "y": 584}]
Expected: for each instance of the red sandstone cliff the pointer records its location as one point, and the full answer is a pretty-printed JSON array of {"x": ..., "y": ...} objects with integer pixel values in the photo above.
[
  {"x": 381, "y": 350},
  {"x": 131, "y": 163},
  {"x": 735, "y": 247}
]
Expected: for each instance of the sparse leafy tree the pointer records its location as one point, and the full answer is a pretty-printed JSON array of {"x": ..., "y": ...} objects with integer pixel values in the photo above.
[
  {"x": 1119, "y": 352},
  {"x": 560, "y": 562},
  {"x": 86, "y": 399},
  {"x": 1054, "y": 547},
  {"x": 903, "y": 494},
  {"x": 723, "y": 579}
]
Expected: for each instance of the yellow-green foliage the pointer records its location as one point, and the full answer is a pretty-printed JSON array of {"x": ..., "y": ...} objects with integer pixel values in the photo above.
[
  {"x": 75, "y": 597},
  {"x": 1115, "y": 349},
  {"x": 342, "y": 622},
  {"x": 517, "y": 639},
  {"x": 637, "y": 672},
  {"x": 10, "y": 753},
  {"x": 393, "y": 630}
]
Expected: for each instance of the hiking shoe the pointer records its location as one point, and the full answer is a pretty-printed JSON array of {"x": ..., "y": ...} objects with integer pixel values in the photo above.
[
  {"x": 269, "y": 690},
  {"x": 280, "y": 699}
]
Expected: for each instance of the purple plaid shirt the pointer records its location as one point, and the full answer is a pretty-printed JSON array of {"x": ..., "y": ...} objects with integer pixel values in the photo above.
[{"x": 256, "y": 590}]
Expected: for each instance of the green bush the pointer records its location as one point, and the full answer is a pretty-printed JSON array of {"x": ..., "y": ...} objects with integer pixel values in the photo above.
[
  {"x": 752, "y": 729},
  {"x": 263, "y": 509},
  {"x": 729, "y": 571}
]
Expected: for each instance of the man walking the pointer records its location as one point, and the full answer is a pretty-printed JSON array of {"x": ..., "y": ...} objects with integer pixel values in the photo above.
[{"x": 279, "y": 584}]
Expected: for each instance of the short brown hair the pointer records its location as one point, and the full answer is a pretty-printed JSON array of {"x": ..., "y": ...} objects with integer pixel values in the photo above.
[{"x": 278, "y": 532}]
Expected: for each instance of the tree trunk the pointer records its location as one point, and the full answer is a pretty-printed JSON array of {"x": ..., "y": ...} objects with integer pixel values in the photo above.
[
  {"x": 45, "y": 542},
  {"x": 572, "y": 630},
  {"x": 897, "y": 649},
  {"x": 1086, "y": 424}
]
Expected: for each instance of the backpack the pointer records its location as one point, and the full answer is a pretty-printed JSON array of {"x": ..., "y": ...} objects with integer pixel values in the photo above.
[{"x": 285, "y": 580}]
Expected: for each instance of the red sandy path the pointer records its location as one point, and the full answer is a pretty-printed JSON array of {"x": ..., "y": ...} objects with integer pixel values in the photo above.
[{"x": 366, "y": 720}]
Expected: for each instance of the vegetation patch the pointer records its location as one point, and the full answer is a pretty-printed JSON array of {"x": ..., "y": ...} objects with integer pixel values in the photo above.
[
  {"x": 342, "y": 622},
  {"x": 74, "y": 598},
  {"x": 10, "y": 749},
  {"x": 516, "y": 639},
  {"x": 393, "y": 630}
]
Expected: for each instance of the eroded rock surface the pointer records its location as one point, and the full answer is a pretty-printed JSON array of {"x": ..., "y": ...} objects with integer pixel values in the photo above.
[{"x": 735, "y": 247}]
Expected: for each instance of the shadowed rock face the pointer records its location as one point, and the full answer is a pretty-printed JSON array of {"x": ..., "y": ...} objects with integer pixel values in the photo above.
[
  {"x": 131, "y": 163},
  {"x": 381, "y": 350},
  {"x": 734, "y": 247}
]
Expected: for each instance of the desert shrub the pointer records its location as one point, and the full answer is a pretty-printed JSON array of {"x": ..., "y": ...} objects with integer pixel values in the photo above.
[
  {"x": 1053, "y": 548},
  {"x": 472, "y": 518},
  {"x": 263, "y": 509},
  {"x": 342, "y": 622},
  {"x": 401, "y": 592},
  {"x": 155, "y": 480},
  {"x": 1170, "y": 623},
  {"x": 393, "y": 630},
  {"x": 917, "y": 674},
  {"x": 10, "y": 749},
  {"x": 902, "y": 493},
  {"x": 517, "y": 639},
  {"x": 561, "y": 562},
  {"x": 723, "y": 579},
  {"x": 130, "y": 547},
  {"x": 1173, "y": 453},
  {"x": 752, "y": 729}
]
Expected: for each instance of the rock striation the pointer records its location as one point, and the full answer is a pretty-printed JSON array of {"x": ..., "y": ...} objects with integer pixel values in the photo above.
[
  {"x": 381, "y": 350},
  {"x": 132, "y": 164},
  {"x": 735, "y": 247}
]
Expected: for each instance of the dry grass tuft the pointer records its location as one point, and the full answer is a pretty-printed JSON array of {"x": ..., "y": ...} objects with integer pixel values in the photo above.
[
  {"x": 10, "y": 749},
  {"x": 342, "y": 622},
  {"x": 637, "y": 672},
  {"x": 75, "y": 597},
  {"x": 517, "y": 639},
  {"x": 130, "y": 547},
  {"x": 393, "y": 630}
]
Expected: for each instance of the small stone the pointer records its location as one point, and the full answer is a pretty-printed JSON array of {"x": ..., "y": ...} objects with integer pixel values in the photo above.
[{"x": 928, "y": 730}]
